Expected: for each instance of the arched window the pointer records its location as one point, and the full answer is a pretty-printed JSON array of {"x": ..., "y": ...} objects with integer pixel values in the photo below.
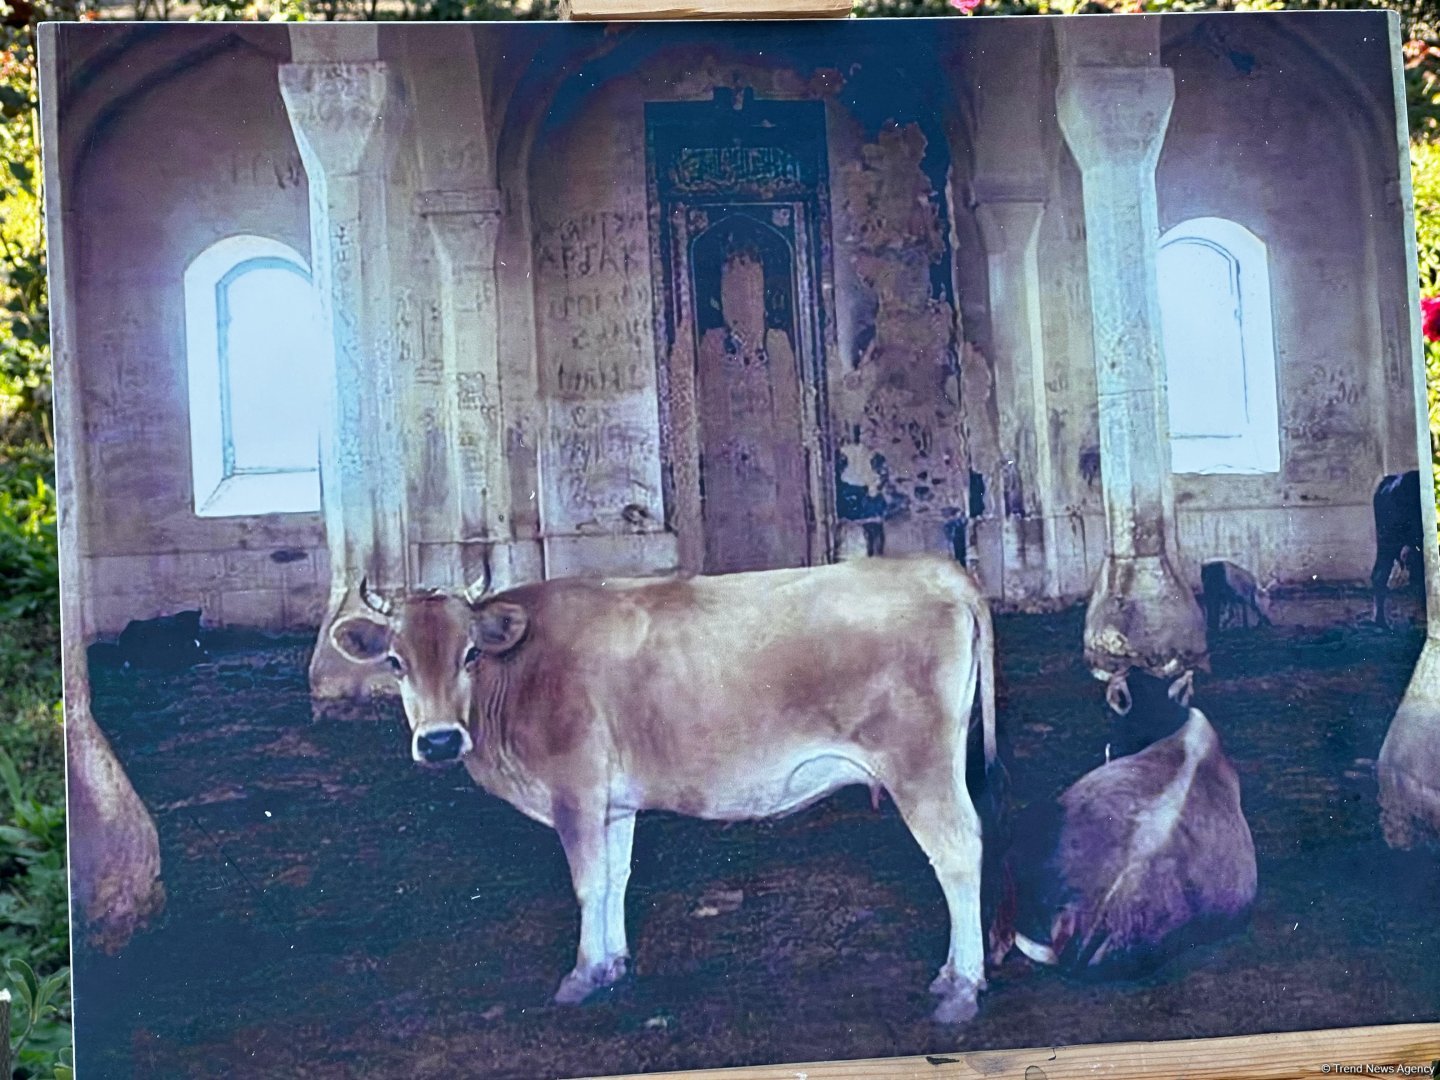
[
  {"x": 1214, "y": 283},
  {"x": 256, "y": 359}
]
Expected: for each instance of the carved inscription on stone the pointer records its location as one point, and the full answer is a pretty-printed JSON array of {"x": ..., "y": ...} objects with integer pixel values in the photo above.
[
  {"x": 594, "y": 304},
  {"x": 264, "y": 170},
  {"x": 593, "y": 245},
  {"x": 604, "y": 458}
]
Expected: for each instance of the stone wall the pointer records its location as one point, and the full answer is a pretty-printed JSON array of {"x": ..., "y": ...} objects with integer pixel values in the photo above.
[
  {"x": 205, "y": 155},
  {"x": 912, "y": 407},
  {"x": 1267, "y": 134},
  {"x": 600, "y": 490}
]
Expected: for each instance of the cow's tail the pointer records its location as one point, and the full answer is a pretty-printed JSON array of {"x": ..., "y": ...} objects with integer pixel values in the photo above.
[{"x": 985, "y": 643}]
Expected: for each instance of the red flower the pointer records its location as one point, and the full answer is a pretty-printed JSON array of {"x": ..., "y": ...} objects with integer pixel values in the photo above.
[
  {"x": 966, "y": 7},
  {"x": 1430, "y": 317}
]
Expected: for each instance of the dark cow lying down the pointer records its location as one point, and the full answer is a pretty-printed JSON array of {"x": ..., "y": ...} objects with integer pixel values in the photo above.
[
  {"x": 1140, "y": 857},
  {"x": 742, "y": 696}
]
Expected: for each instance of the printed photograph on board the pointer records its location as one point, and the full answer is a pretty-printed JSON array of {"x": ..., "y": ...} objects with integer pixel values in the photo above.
[{"x": 600, "y": 549}]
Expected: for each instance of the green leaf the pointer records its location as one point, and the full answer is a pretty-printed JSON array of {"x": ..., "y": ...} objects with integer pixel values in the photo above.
[{"x": 26, "y": 985}]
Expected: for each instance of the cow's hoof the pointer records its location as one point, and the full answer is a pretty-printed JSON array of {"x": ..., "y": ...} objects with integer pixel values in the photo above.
[
  {"x": 582, "y": 982},
  {"x": 948, "y": 982},
  {"x": 959, "y": 998},
  {"x": 959, "y": 1009}
]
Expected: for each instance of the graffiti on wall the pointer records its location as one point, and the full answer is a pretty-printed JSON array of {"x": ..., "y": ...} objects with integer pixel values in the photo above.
[{"x": 594, "y": 304}]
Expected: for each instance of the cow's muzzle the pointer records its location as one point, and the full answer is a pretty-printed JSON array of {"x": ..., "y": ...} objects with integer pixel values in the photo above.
[{"x": 440, "y": 744}]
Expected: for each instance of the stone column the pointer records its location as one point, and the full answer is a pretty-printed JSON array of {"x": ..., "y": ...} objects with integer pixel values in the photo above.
[
  {"x": 114, "y": 850},
  {"x": 1010, "y": 229},
  {"x": 1114, "y": 117},
  {"x": 465, "y": 225},
  {"x": 336, "y": 108},
  {"x": 1408, "y": 768}
]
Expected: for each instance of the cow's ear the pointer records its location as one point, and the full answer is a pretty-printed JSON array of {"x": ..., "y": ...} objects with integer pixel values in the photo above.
[
  {"x": 499, "y": 627},
  {"x": 1117, "y": 695},
  {"x": 360, "y": 639}
]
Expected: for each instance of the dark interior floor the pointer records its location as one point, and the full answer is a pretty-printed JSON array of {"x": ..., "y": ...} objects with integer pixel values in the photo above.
[{"x": 336, "y": 911}]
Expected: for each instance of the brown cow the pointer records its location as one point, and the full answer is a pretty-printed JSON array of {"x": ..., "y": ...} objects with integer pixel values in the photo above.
[{"x": 734, "y": 697}]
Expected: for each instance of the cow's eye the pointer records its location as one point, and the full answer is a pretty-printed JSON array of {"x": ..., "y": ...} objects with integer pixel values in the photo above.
[
  {"x": 472, "y": 656},
  {"x": 395, "y": 665}
]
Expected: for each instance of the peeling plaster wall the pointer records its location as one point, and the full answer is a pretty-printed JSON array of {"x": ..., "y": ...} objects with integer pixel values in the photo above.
[
  {"x": 894, "y": 382},
  {"x": 1253, "y": 137},
  {"x": 897, "y": 392},
  {"x": 145, "y": 203}
]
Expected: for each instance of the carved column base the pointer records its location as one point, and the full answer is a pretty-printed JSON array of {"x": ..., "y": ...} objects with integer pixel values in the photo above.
[
  {"x": 1409, "y": 764},
  {"x": 1142, "y": 615},
  {"x": 114, "y": 849},
  {"x": 332, "y": 676}
]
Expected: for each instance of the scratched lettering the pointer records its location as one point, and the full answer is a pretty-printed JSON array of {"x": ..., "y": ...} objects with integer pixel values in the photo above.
[
  {"x": 404, "y": 329},
  {"x": 599, "y": 380},
  {"x": 264, "y": 170},
  {"x": 593, "y": 245},
  {"x": 601, "y": 459},
  {"x": 573, "y": 307}
]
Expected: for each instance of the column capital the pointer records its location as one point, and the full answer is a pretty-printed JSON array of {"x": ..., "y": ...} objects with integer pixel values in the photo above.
[
  {"x": 453, "y": 201},
  {"x": 1115, "y": 116},
  {"x": 465, "y": 224},
  {"x": 1009, "y": 225},
  {"x": 335, "y": 109}
]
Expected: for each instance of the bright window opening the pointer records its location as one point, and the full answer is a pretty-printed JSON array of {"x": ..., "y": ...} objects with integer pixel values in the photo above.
[
  {"x": 1214, "y": 282},
  {"x": 256, "y": 358}
]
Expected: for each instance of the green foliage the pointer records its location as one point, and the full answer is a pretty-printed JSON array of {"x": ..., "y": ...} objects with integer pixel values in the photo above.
[
  {"x": 1425, "y": 179},
  {"x": 252, "y": 11},
  {"x": 29, "y": 561},
  {"x": 24, "y": 297},
  {"x": 482, "y": 10},
  {"x": 34, "y": 929},
  {"x": 39, "y": 1043},
  {"x": 34, "y": 905}
]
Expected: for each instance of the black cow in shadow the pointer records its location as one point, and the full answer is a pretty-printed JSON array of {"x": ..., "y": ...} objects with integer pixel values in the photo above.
[{"x": 1399, "y": 536}]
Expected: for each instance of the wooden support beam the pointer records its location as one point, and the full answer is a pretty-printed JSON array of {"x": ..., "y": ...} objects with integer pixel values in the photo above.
[
  {"x": 624, "y": 10},
  {"x": 1399, "y": 1050}
]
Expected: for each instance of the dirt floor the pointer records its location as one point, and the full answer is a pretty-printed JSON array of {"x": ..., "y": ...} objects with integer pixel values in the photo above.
[{"x": 336, "y": 911}]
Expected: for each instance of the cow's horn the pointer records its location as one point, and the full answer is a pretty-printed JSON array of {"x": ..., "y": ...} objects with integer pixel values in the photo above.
[
  {"x": 1183, "y": 689},
  {"x": 377, "y": 604},
  {"x": 476, "y": 590}
]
